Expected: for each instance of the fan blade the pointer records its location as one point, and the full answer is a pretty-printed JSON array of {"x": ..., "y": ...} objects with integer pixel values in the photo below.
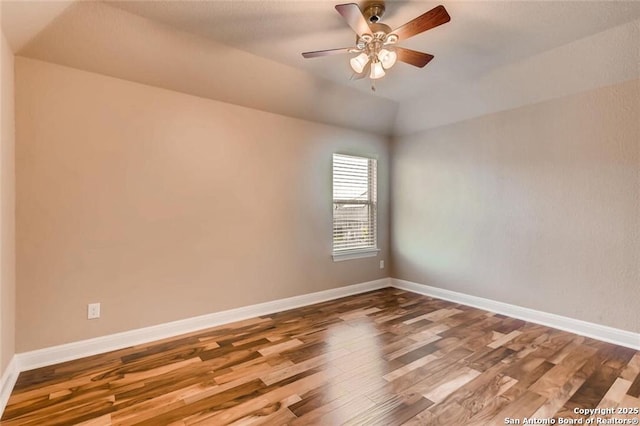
[
  {"x": 431, "y": 19},
  {"x": 328, "y": 52},
  {"x": 412, "y": 57},
  {"x": 353, "y": 15}
]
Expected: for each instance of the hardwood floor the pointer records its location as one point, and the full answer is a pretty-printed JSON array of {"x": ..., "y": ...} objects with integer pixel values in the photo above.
[{"x": 381, "y": 358}]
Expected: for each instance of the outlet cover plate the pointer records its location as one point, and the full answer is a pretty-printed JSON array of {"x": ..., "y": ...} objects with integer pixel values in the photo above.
[{"x": 93, "y": 311}]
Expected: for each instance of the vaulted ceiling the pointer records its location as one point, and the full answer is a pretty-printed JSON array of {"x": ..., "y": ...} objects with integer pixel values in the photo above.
[{"x": 492, "y": 56}]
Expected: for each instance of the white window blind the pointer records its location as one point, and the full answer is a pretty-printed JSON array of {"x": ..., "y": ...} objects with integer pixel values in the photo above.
[{"x": 354, "y": 204}]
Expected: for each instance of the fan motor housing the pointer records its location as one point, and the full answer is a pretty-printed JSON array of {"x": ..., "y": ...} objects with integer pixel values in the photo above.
[
  {"x": 380, "y": 28},
  {"x": 373, "y": 12}
]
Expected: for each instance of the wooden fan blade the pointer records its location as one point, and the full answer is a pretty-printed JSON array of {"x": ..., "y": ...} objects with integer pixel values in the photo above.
[
  {"x": 319, "y": 53},
  {"x": 413, "y": 57},
  {"x": 353, "y": 15},
  {"x": 431, "y": 19}
]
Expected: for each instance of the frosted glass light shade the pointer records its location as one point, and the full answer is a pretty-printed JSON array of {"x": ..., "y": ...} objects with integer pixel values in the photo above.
[
  {"x": 376, "y": 70},
  {"x": 387, "y": 58},
  {"x": 359, "y": 62}
]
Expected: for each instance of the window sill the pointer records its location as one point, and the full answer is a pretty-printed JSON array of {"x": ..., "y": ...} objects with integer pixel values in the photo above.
[{"x": 355, "y": 254}]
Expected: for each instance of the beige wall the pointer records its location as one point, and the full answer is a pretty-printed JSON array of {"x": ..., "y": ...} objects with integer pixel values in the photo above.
[
  {"x": 7, "y": 206},
  {"x": 164, "y": 206},
  {"x": 537, "y": 206}
]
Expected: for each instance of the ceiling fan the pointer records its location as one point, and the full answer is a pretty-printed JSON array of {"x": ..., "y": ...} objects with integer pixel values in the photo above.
[{"x": 376, "y": 43}]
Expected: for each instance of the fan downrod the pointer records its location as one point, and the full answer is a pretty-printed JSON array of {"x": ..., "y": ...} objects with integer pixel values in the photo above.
[{"x": 373, "y": 12}]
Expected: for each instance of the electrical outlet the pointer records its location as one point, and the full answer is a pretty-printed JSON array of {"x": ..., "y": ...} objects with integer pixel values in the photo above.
[
  {"x": 382, "y": 264},
  {"x": 93, "y": 311}
]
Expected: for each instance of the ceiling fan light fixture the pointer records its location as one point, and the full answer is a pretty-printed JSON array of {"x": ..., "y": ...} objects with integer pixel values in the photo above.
[
  {"x": 359, "y": 62},
  {"x": 391, "y": 39},
  {"x": 387, "y": 58},
  {"x": 366, "y": 38},
  {"x": 377, "y": 71},
  {"x": 375, "y": 42}
]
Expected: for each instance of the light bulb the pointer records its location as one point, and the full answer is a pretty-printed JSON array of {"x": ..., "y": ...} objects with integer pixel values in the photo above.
[
  {"x": 376, "y": 70},
  {"x": 387, "y": 57},
  {"x": 359, "y": 62}
]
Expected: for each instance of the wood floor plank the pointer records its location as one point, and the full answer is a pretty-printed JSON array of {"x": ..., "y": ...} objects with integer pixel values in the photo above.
[
  {"x": 560, "y": 374},
  {"x": 408, "y": 367},
  {"x": 615, "y": 394},
  {"x": 523, "y": 406},
  {"x": 394, "y": 411},
  {"x": 479, "y": 392},
  {"x": 443, "y": 390},
  {"x": 504, "y": 339},
  {"x": 318, "y": 397},
  {"x": 385, "y": 357},
  {"x": 634, "y": 389},
  {"x": 494, "y": 406},
  {"x": 453, "y": 414},
  {"x": 337, "y": 411},
  {"x": 632, "y": 369}
]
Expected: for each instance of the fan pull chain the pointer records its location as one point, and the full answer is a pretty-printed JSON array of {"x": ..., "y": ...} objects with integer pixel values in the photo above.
[{"x": 373, "y": 85}]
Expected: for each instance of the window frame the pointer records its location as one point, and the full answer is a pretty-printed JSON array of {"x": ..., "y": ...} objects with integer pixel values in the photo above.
[{"x": 372, "y": 201}]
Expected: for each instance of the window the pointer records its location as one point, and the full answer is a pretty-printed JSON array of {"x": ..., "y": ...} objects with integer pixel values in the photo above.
[{"x": 354, "y": 207}]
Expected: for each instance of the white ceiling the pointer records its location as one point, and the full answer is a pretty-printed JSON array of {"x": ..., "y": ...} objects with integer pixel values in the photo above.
[
  {"x": 482, "y": 35},
  {"x": 498, "y": 46}
]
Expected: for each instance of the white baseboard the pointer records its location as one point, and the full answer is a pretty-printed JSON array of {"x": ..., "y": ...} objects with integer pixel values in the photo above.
[
  {"x": 80, "y": 349},
  {"x": 583, "y": 328},
  {"x": 7, "y": 381}
]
